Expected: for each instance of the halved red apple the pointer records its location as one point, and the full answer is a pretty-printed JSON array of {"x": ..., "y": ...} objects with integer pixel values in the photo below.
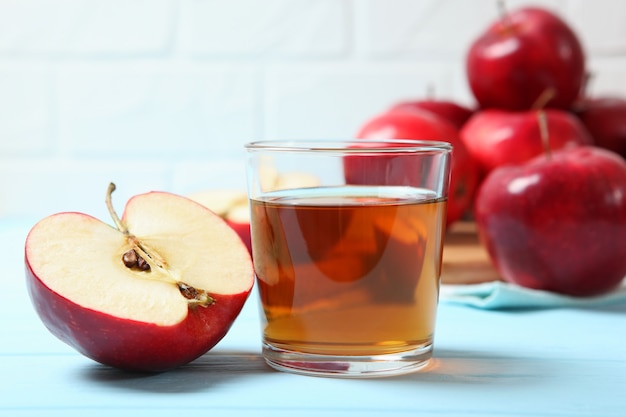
[{"x": 155, "y": 292}]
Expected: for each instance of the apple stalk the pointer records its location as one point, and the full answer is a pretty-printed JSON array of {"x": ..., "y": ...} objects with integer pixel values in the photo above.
[
  {"x": 539, "y": 105},
  {"x": 544, "y": 133},
  {"x": 143, "y": 258},
  {"x": 504, "y": 17}
]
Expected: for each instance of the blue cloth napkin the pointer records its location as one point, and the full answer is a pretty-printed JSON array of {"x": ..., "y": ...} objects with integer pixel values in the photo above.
[{"x": 502, "y": 295}]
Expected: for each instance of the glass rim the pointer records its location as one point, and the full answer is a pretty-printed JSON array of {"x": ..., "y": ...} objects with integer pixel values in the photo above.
[{"x": 343, "y": 146}]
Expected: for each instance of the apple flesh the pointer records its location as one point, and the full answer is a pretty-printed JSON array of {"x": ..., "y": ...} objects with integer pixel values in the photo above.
[
  {"x": 495, "y": 137},
  {"x": 557, "y": 222},
  {"x": 418, "y": 125},
  {"x": 155, "y": 293},
  {"x": 519, "y": 57}
]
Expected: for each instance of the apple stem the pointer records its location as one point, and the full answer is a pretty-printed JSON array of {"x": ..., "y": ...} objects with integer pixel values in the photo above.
[
  {"x": 116, "y": 219},
  {"x": 580, "y": 105},
  {"x": 150, "y": 257},
  {"x": 544, "y": 98},
  {"x": 119, "y": 224},
  {"x": 543, "y": 131},
  {"x": 504, "y": 16},
  {"x": 584, "y": 88}
]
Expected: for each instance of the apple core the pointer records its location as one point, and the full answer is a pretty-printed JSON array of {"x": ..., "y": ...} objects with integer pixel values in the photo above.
[{"x": 140, "y": 258}]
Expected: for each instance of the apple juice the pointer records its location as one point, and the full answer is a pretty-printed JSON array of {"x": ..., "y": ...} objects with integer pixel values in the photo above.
[{"x": 348, "y": 270}]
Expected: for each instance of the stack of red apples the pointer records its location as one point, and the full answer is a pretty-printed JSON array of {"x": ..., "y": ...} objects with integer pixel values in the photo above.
[{"x": 537, "y": 162}]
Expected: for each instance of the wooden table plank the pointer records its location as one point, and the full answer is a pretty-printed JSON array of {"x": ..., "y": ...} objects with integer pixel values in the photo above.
[{"x": 465, "y": 260}]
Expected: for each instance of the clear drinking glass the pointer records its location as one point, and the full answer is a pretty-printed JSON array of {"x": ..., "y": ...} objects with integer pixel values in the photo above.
[{"x": 347, "y": 240}]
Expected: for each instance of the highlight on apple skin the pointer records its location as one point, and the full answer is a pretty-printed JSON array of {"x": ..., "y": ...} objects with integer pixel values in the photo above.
[{"x": 155, "y": 292}]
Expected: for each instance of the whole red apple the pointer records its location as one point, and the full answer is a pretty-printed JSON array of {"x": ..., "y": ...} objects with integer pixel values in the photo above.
[
  {"x": 453, "y": 112},
  {"x": 155, "y": 292},
  {"x": 500, "y": 137},
  {"x": 557, "y": 222},
  {"x": 520, "y": 56},
  {"x": 422, "y": 125},
  {"x": 605, "y": 118}
]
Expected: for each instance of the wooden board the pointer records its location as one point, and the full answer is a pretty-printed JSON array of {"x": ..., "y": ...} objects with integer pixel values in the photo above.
[{"x": 465, "y": 260}]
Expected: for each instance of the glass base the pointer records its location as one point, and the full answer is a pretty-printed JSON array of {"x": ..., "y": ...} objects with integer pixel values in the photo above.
[{"x": 348, "y": 366}]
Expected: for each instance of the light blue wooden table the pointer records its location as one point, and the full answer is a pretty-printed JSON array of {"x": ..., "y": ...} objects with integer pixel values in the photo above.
[{"x": 548, "y": 362}]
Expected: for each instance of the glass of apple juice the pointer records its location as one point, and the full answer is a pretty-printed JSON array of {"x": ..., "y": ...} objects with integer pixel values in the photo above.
[{"x": 347, "y": 239}]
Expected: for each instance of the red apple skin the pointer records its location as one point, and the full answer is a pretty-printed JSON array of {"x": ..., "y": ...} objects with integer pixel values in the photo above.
[
  {"x": 522, "y": 55},
  {"x": 557, "y": 223},
  {"x": 605, "y": 119},
  {"x": 243, "y": 230},
  {"x": 422, "y": 125},
  {"x": 136, "y": 346},
  {"x": 496, "y": 137},
  {"x": 448, "y": 110}
]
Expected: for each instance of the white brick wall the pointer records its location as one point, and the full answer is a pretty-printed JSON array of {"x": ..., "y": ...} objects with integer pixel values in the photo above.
[{"x": 162, "y": 94}]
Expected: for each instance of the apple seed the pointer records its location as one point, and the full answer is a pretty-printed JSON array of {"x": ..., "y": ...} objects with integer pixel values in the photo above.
[
  {"x": 133, "y": 261},
  {"x": 196, "y": 297}
]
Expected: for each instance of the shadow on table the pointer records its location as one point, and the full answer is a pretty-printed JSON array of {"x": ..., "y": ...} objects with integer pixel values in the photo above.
[
  {"x": 613, "y": 308},
  {"x": 221, "y": 367},
  {"x": 213, "y": 368},
  {"x": 475, "y": 368}
]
